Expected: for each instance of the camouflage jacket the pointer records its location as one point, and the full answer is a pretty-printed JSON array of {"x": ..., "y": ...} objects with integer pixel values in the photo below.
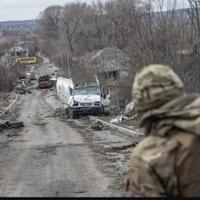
[{"x": 166, "y": 163}]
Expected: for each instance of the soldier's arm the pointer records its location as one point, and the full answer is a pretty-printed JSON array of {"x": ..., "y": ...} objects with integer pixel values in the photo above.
[{"x": 142, "y": 180}]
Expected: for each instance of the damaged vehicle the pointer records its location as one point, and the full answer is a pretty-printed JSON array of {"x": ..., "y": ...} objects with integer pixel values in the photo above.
[
  {"x": 88, "y": 99},
  {"x": 45, "y": 82},
  {"x": 82, "y": 100}
]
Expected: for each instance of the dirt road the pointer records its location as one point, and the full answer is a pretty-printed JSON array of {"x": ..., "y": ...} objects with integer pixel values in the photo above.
[{"x": 50, "y": 158}]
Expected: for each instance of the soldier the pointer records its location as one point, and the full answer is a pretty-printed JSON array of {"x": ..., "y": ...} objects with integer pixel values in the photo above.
[{"x": 167, "y": 162}]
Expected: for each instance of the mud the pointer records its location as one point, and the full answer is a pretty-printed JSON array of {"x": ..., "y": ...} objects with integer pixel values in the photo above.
[{"x": 53, "y": 156}]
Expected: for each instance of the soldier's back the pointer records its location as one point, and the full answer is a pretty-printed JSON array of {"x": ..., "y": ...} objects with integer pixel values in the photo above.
[{"x": 166, "y": 166}]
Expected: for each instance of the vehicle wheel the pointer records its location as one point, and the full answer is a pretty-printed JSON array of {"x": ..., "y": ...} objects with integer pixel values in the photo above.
[
  {"x": 77, "y": 116},
  {"x": 71, "y": 113},
  {"x": 102, "y": 110},
  {"x": 106, "y": 112},
  {"x": 67, "y": 112}
]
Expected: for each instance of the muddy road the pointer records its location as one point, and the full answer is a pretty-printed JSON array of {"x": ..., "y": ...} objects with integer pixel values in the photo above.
[{"x": 53, "y": 156}]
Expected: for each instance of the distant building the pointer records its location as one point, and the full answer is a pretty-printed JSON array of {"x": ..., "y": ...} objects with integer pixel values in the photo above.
[
  {"x": 10, "y": 55},
  {"x": 17, "y": 52},
  {"x": 113, "y": 71}
]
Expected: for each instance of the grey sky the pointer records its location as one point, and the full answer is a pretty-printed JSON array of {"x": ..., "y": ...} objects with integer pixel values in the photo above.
[
  {"x": 30, "y": 9},
  {"x": 25, "y": 9}
]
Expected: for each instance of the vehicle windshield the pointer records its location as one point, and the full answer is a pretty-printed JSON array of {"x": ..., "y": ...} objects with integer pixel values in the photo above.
[{"x": 86, "y": 91}]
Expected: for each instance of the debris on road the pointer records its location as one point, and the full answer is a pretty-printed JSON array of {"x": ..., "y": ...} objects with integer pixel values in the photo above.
[
  {"x": 127, "y": 115},
  {"x": 23, "y": 90},
  {"x": 30, "y": 76},
  {"x": 96, "y": 125},
  {"x": 118, "y": 119},
  {"x": 137, "y": 136},
  {"x": 6, "y": 124},
  {"x": 23, "y": 84},
  {"x": 122, "y": 118}
]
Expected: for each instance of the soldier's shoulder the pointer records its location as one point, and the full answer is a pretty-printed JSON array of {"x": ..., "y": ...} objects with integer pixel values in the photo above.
[{"x": 153, "y": 148}]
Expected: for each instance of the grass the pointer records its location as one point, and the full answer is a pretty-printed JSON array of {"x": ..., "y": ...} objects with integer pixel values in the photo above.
[{"x": 4, "y": 100}]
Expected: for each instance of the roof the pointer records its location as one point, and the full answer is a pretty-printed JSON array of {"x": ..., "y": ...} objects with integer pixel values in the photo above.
[
  {"x": 110, "y": 59},
  {"x": 84, "y": 86}
]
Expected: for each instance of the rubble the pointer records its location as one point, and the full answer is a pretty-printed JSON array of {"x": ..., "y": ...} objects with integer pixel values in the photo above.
[
  {"x": 23, "y": 86},
  {"x": 129, "y": 114},
  {"x": 30, "y": 76},
  {"x": 118, "y": 119},
  {"x": 122, "y": 118},
  {"x": 96, "y": 125},
  {"x": 6, "y": 124},
  {"x": 45, "y": 82},
  {"x": 23, "y": 90},
  {"x": 136, "y": 135}
]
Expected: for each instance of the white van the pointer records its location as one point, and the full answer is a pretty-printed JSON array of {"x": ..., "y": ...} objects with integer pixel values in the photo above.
[
  {"x": 88, "y": 100},
  {"x": 64, "y": 89}
]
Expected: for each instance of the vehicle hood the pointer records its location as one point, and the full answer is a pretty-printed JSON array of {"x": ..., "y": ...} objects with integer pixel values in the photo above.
[{"x": 87, "y": 98}]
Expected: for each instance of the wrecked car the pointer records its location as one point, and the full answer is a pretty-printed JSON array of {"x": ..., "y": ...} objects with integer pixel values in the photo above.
[
  {"x": 45, "y": 82},
  {"x": 88, "y": 100}
]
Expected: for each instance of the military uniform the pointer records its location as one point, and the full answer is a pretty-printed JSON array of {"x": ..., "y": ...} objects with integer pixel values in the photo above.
[{"x": 167, "y": 162}]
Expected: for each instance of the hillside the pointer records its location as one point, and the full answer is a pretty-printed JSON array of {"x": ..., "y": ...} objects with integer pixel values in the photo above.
[{"x": 18, "y": 26}]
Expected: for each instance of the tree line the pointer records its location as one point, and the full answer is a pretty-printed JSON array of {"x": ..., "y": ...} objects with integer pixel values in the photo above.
[
  {"x": 144, "y": 30},
  {"x": 9, "y": 70}
]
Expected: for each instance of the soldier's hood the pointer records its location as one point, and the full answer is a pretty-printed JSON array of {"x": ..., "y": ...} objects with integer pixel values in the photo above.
[{"x": 183, "y": 113}]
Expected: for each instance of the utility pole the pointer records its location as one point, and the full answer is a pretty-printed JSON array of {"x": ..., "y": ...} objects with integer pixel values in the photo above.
[
  {"x": 66, "y": 53},
  {"x": 68, "y": 64}
]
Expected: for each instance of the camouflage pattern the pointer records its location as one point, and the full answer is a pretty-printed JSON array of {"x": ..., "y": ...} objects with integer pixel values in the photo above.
[
  {"x": 166, "y": 162},
  {"x": 182, "y": 113},
  {"x": 154, "y": 86}
]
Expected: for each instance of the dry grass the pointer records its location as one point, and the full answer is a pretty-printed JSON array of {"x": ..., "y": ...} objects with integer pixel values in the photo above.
[
  {"x": 4, "y": 40},
  {"x": 4, "y": 100}
]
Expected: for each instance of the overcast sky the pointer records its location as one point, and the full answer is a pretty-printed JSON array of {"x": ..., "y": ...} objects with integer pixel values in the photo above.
[
  {"x": 30, "y": 9},
  {"x": 25, "y": 9}
]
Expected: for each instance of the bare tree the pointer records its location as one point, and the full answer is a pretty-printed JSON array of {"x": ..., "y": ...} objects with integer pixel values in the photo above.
[
  {"x": 194, "y": 14},
  {"x": 49, "y": 24},
  {"x": 167, "y": 34}
]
